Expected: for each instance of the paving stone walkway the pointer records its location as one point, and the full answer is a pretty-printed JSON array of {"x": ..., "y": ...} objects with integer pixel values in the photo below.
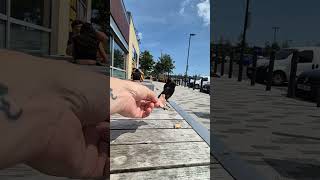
[{"x": 278, "y": 136}]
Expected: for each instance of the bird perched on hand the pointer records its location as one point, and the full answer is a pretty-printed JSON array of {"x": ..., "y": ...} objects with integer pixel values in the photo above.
[{"x": 167, "y": 92}]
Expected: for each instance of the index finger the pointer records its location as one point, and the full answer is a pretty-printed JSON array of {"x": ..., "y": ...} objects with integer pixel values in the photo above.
[{"x": 144, "y": 93}]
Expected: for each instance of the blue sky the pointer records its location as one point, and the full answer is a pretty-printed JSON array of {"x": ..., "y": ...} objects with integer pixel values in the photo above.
[
  {"x": 297, "y": 19},
  {"x": 165, "y": 25}
]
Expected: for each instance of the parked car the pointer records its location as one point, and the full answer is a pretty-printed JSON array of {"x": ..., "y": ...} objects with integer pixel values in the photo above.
[
  {"x": 206, "y": 88},
  {"x": 308, "y": 59},
  {"x": 205, "y": 82},
  {"x": 307, "y": 84},
  {"x": 196, "y": 84}
]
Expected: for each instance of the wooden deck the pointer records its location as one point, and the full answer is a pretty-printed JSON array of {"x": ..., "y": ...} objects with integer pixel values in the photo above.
[{"x": 152, "y": 148}]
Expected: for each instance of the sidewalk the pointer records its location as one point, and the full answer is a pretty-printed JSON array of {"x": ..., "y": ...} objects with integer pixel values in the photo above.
[
  {"x": 195, "y": 103},
  {"x": 276, "y": 135},
  {"x": 152, "y": 148}
]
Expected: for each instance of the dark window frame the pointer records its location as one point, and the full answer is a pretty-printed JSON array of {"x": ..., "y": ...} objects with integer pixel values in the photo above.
[{"x": 306, "y": 59}]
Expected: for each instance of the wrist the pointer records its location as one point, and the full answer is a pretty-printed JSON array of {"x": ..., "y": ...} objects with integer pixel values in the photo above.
[{"x": 117, "y": 95}]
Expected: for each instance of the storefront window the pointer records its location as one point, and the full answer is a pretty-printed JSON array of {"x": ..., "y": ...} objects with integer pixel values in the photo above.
[
  {"x": 29, "y": 40},
  {"x": 32, "y": 11},
  {"x": 82, "y": 10},
  {"x": 2, "y": 34},
  {"x": 118, "y": 57},
  {"x": 119, "y": 74},
  {"x": 3, "y": 6}
]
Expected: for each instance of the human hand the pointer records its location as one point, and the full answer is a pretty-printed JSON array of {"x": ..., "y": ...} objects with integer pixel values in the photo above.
[
  {"x": 64, "y": 127},
  {"x": 131, "y": 99}
]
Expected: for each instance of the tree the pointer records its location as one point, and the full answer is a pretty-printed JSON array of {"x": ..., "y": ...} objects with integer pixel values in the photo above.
[
  {"x": 146, "y": 62},
  {"x": 267, "y": 49},
  {"x": 99, "y": 18},
  {"x": 285, "y": 44},
  {"x": 167, "y": 63},
  {"x": 157, "y": 70},
  {"x": 275, "y": 46}
]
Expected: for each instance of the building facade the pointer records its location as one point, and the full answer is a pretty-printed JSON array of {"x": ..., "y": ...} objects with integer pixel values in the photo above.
[
  {"x": 134, "y": 49},
  {"x": 40, "y": 26},
  {"x": 43, "y": 27},
  {"x": 119, "y": 40}
]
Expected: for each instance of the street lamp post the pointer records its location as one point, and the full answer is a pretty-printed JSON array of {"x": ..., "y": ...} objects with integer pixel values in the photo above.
[
  {"x": 275, "y": 30},
  {"x": 186, "y": 75},
  {"x": 243, "y": 43}
]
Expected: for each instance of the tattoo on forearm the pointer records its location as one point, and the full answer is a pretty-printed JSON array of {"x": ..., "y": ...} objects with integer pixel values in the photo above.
[
  {"x": 5, "y": 104},
  {"x": 113, "y": 97}
]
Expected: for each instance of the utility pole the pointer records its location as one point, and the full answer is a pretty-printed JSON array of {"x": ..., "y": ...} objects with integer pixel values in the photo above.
[
  {"x": 275, "y": 30},
  {"x": 243, "y": 43}
]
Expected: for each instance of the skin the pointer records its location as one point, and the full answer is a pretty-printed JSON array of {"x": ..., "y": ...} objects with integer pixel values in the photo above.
[
  {"x": 57, "y": 120},
  {"x": 101, "y": 54}
]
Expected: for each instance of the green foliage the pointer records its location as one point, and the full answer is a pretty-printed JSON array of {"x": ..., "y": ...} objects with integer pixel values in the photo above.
[
  {"x": 101, "y": 16},
  {"x": 146, "y": 62},
  {"x": 167, "y": 63},
  {"x": 164, "y": 65}
]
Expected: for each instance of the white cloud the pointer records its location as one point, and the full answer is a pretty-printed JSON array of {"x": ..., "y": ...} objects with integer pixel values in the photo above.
[
  {"x": 151, "y": 19},
  {"x": 140, "y": 35},
  {"x": 204, "y": 11},
  {"x": 183, "y": 6}
]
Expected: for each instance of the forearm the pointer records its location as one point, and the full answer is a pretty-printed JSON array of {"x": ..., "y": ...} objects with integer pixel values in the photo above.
[
  {"x": 116, "y": 95},
  {"x": 23, "y": 131},
  {"x": 101, "y": 36}
]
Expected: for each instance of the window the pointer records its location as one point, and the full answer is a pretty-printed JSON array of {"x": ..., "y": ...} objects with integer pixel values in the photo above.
[
  {"x": 283, "y": 54},
  {"x": 29, "y": 40},
  {"x": 82, "y": 15},
  {"x": 3, "y": 6},
  {"x": 32, "y": 11},
  {"x": 119, "y": 74},
  {"x": 118, "y": 57},
  {"x": 305, "y": 56},
  {"x": 2, "y": 34}
]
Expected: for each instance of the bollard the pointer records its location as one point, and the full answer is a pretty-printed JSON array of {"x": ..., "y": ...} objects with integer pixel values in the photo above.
[
  {"x": 215, "y": 67},
  {"x": 223, "y": 57},
  {"x": 194, "y": 82},
  {"x": 318, "y": 96},
  {"x": 293, "y": 72},
  {"x": 240, "y": 66},
  {"x": 231, "y": 64},
  {"x": 201, "y": 84},
  {"x": 270, "y": 71},
  {"x": 254, "y": 69}
]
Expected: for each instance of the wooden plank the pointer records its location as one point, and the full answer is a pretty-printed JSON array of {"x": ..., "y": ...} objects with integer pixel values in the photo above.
[
  {"x": 24, "y": 172},
  {"x": 153, "y": 136},
  {"x": 156, "y": 114},
  {"x": 194, "y": 173},
  {"x": 129, "y": 158},
  {"x": 219, "y": 173},
  {"x": 147, "y": 124}
]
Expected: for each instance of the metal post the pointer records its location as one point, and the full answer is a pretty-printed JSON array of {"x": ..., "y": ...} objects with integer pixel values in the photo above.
[
  {"x": 188, "y": 54},
  {"x": 243, "y": 43},
  {"x": 270, "y": 71},
  {"x": 215, "y": 60},
  {"x": 275, "y": 34},
  {"x": 201, "y": 84},
  {"x": 254, "y": 68},
  {"x": 318, "y": 96},
  {"x": 293, "y": 72},
  {"x": 223, "y": 57},
  {"x": 194, "y": 81},
  {"x": 231, "y": 64}
]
